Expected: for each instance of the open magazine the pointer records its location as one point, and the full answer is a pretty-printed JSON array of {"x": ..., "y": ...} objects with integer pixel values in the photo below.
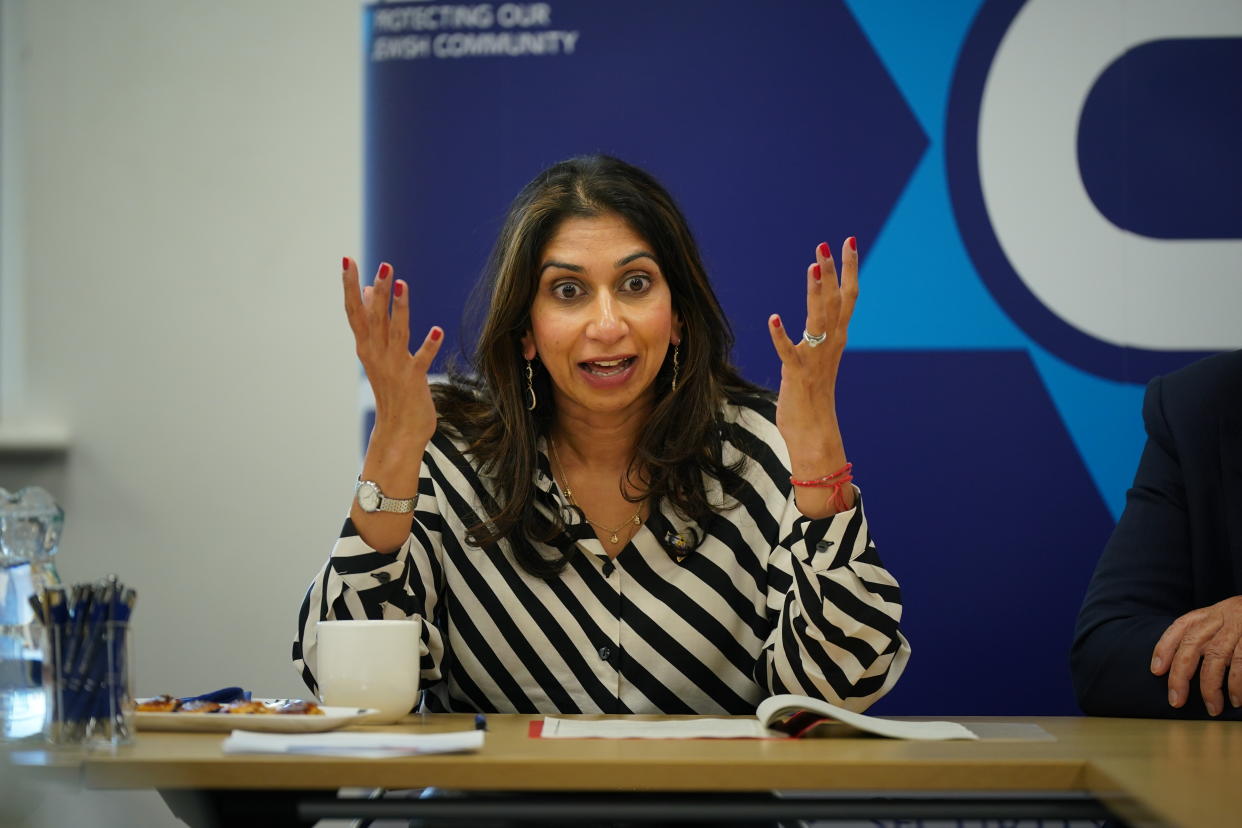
[
  {"x": 788, "y": 715},
  {"x": 802, "y": 716}
]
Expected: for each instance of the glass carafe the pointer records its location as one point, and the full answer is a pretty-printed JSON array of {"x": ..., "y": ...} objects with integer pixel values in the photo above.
[{"x": 30, "y": 525}]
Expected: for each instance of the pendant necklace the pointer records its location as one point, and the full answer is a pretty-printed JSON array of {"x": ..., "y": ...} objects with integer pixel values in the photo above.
[{"x": 613, "y": 537}]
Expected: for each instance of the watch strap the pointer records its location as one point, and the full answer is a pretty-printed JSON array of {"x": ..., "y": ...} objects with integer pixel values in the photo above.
[{"x": 396, "y": 505}]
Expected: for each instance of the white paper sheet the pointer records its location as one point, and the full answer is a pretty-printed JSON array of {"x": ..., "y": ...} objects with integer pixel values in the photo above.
[
  {"x": 554, "y": 728},
  {"x": 377, "y": 745}
]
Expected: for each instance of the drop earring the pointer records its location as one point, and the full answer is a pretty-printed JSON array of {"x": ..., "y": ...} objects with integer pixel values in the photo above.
[
  {"x": 676, "y": 365},
  {"x": 530, "y": 386}
]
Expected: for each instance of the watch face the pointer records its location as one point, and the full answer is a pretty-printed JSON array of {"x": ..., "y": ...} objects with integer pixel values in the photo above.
[{"x": 368, "y": 496}]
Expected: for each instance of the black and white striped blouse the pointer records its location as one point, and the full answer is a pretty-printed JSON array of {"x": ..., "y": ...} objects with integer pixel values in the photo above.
[{"x": 769, "y": 602}]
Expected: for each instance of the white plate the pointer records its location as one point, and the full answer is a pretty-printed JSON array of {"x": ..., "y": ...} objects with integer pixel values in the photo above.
[{"x": 332, "y": 718}]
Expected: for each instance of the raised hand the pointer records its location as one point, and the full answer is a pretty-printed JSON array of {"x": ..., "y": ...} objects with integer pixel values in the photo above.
[
  {"x": 806, "y": 412},
  {"x": 403, "y": 406},
  {"x": 405, "y": 414},
  {"x": 1211, "y": 635}
]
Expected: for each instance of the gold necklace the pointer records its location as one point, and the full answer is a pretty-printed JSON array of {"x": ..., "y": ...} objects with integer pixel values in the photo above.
[{"x": 613, "y": 537}]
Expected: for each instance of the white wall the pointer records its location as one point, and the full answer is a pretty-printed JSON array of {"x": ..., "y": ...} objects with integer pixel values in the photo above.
[{"x": 190, "y": 176}]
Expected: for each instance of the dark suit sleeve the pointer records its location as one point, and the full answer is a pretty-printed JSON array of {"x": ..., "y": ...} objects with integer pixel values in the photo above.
[{"x": 1142, "y": 583}]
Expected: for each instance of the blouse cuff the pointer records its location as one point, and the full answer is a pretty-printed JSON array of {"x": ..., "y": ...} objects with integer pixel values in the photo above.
[
  {"x": 829, "y": 542},
  {"x": 362, "y": 568}
]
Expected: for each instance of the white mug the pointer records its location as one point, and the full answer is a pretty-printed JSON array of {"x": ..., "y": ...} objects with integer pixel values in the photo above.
[{"x": 369, "y": 664}]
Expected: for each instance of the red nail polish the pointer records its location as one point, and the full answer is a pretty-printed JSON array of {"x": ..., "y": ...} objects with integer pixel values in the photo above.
[
  {"x": 384, "y": 270},
  {"x": 824, "y": 251},
  {"x": 816, "y": 272},
  {"x": 776, "y": 323},
  {"x": 853, "y": 243},
  {"x": 398, "y": 289},
  {"x": 436, "y": 333},
  {"x": 345, "y": 263}
]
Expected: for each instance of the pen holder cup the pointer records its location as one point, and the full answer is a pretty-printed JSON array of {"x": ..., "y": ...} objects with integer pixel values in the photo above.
[{"x": 87, "y": 681}]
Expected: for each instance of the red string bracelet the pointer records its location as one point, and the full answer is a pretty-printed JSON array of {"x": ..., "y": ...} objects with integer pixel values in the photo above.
[{"x": 832, "y": 481}]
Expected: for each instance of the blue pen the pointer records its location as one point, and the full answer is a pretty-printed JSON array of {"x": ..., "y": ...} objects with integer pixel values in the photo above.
[
  {"x": 85, "y": 679},
  {"x": 54, "y": 604},
  {"x": 112, "y": 701},
  {"x": 81, "y": 601},
  {"x": 104, "y": 672}
]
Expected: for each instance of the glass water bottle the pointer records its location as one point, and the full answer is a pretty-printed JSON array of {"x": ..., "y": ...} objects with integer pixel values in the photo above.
[{"x": 30, "y": 525}]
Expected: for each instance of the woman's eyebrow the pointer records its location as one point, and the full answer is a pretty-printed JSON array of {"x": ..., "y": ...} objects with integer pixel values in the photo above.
[
  {"x": 580, "y": 269},
  {"x": 640, "y": 254},
  {"x": 563, "y": 265}
]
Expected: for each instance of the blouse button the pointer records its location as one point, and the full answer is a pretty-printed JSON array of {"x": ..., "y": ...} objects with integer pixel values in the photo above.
[
  {"x": 605, "y": 652},
  {"x": 608, "y": 568}
]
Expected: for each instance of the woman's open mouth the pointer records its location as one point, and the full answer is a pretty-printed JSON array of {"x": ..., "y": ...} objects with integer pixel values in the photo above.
[
  {"x": 608, "y": 373},
  {"x": 607, "y": 367}
]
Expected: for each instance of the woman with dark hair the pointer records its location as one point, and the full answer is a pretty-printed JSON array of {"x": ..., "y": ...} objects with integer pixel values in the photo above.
[{"x": 604, "y": 516}]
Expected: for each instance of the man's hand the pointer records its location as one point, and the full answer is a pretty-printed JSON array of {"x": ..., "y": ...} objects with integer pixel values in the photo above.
[{"x": 1212, "y": 635}]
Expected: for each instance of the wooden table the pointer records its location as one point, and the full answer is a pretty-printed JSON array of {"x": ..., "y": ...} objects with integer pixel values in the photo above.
[{"x": 1146, "y": 771}]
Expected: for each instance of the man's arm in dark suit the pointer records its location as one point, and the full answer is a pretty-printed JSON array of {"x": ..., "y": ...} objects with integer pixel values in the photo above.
[{"x": 1142, "y": 583}]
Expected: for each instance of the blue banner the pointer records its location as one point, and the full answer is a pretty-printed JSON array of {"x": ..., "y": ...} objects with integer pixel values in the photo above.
[{"x": 1044, "y": 195}]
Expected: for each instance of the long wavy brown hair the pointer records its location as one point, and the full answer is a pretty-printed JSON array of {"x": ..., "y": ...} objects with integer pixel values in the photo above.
[{"x": 486, "y": 404}]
